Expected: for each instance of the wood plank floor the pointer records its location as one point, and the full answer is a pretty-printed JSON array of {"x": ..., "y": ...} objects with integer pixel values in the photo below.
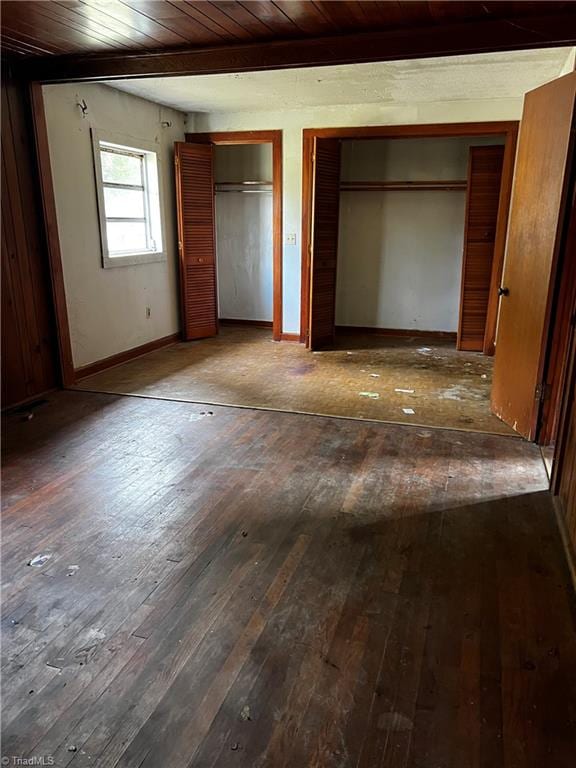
[
  {"x": 230, "y": 587},
  {"x": 400, "y": 379}
]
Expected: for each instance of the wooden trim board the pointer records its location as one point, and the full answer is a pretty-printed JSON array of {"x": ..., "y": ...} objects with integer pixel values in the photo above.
[
  {"x": 565, "y": 537},
  {"x": 52, "y": 236},
  {"x": 399, "y": 332},
  {"x": 123, "y": 357},
  {"x": 252, "y": 323},
  {"x": 231, "y": 138}
]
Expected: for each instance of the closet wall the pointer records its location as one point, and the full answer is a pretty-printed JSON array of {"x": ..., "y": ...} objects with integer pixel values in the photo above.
[
  {"x": 400, "y": 252},
  {"x": 244, "y": 231}
]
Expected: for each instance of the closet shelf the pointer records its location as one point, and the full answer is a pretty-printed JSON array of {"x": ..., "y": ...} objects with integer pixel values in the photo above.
[
  {"x": 243, "y": 186},
  {"x": 383, "y": 186}
]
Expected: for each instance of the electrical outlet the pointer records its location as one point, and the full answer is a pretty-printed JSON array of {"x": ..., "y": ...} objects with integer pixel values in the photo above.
[
  {"x": 148, "y": 313},
  {"x": 291, "y": 239}
]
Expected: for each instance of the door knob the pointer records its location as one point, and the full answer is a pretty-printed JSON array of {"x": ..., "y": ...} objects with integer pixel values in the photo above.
[{"x": 503, "y": 291}]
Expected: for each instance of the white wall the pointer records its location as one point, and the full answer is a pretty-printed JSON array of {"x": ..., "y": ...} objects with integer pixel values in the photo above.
[
  {"x": 107, "y": 307},
  {"x": 400, "y": 252},
  {"x": 244, "y": 241},
  {"x": 291, "y": 122}
]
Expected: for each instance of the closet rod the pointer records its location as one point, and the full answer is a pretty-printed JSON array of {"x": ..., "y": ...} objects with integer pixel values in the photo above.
[
  {"x": 383, "y": 186},
  {"x": 246, "y": 191},
  {"x": 242, "y": 183}
]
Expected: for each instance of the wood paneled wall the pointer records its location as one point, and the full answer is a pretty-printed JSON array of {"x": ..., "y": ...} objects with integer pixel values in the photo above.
[
  {"x": 567, "y": 474},
  {"x": 29, "y": 357},
  {"x": 564, "y": 476}
]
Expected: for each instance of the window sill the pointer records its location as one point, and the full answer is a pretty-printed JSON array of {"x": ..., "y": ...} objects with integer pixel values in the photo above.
[{"x": 133, "y": 259}]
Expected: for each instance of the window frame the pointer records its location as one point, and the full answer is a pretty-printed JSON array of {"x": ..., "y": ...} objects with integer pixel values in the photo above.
[{"x": 152, "y": 187}]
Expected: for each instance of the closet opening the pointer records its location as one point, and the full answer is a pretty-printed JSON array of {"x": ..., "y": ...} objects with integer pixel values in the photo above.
[
  {"x": 406, "y": 236},
  {"x": 229, "y": 191},
  {"x": 416, "y": 235},
  {"x": 244, "y": 234}
]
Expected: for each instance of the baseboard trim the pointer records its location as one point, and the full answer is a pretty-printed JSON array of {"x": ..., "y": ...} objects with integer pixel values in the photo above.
[
  {"x": 445, "y": 335},
  {"x": 290, "y": 337},
  {"x": 235, "y": 321},
  {"x": 566, "y": 542},
  {"x": 123, "y": 357}
]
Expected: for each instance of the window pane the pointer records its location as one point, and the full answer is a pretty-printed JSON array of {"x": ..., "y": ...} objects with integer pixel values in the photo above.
[
  {"x": 121, "y": 169},
  {"x": 124, "y": 203},
  {"x": 126, "y": 237}
]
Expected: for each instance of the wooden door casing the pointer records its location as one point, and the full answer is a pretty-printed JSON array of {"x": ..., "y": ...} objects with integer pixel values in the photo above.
[
  {"x": 536, "y": 218},
  {"x": 196, "y": 239},
  {"x": 567, "y": 471},
  {"x": 482, "y": 206},
  {"x": 562, "y": 327},
  {"x": 324, "y": 242}
]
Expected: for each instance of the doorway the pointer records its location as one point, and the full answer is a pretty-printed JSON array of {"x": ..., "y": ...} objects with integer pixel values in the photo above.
[
  {"x": 244, "y": 234},
  {"x": 224, "y": 198},
  {"x": 407, "y": 245}
]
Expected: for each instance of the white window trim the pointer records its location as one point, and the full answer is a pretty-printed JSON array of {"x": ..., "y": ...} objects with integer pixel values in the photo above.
[{"x": 135, "y": 145}]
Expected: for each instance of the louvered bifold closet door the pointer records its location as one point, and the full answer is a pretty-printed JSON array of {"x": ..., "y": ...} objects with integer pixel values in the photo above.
[
  {"x": 482, "y": 200},
  {"x": 196, "y": 239},
  {"x": 324, "y": 240}
]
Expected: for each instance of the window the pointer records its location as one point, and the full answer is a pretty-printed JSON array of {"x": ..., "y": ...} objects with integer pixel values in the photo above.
[{"x": 129, "y": 203}]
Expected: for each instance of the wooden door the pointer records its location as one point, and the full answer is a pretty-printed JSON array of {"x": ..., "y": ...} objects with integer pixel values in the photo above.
[
  {"x": 482, "y": 200},
  {"x": 324, "y": 242},
  {"x": 536, "y": 217},
  {"x": 196, "y": 240}
]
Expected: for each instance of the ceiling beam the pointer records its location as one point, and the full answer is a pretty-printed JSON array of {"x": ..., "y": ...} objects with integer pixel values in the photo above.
[{"x": 388, "y": 45}]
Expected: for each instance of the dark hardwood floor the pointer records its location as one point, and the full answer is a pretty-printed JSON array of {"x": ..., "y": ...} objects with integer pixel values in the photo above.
[{"x": 229, "y": 587}]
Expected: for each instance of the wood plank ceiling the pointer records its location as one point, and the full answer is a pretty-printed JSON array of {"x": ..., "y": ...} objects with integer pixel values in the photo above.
[{"x": 54, "y": 28}]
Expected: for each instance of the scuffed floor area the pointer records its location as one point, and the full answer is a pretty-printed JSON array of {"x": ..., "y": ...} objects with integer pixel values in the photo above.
[{"x": 397, "y": 380}]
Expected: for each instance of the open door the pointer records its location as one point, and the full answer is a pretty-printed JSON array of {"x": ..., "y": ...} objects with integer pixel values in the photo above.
[
  {"x": 534, "y": 233},
  {"x": 324, "y": 242},
  {"x": 482, "y": 202},
  {"x": 196, "y": 240}
]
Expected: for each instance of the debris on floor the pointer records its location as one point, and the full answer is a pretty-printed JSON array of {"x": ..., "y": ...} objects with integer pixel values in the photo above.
[
  {"x": 200, "y": 415},
  {"x": 72, "y": 569},
  {"x": 39, "y": 560},
  {"x": 326, "y": 383},
  {"x": 408, "y": 411},
  {"x": 26, "y": 412},
  {"x": 245, "y": 713},
  {"x": 371, "y": 395}
]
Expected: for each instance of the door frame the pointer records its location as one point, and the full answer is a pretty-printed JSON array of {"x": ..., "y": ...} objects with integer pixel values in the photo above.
[
  {"x": 227, "y": 138},
  {"x": 559, "y": 361},
  {"x": 507, "y": 128}
]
